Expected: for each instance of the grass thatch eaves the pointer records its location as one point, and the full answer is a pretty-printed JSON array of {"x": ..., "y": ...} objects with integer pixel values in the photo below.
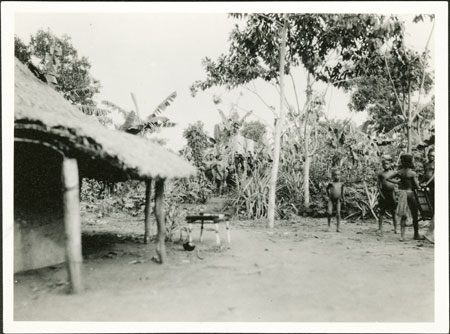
[{"x": 43, "y": 115}]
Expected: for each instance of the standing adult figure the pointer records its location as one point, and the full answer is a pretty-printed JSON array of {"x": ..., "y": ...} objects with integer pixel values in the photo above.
[
  {"x": 220, "y": 173},
  {"x": 406, "y": 199},
  {"x": 429, "y": 175},
  {"x": 429, "y": 185},
  {"x": 386, "y": 189}
]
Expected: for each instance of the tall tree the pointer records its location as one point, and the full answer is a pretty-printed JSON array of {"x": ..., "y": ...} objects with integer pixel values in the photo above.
[
  {"x": 197, "y": 141},
  {"x": 59, "y": 58},
  {"x": 393, "y": 77},
  {"x": 21, "y": 50},
  {"x": 55, "y": 61},
  {"x": 278, "y": 129},
  {"x": 375, "y": 95},
  {"x": 332, "y": 48}
]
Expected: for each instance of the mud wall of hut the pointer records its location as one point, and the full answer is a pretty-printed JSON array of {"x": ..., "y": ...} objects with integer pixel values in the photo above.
[{"x": 38, "y": 211}]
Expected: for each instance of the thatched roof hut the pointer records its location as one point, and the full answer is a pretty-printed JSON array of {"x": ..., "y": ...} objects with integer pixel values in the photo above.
[
  {"x": 56, "y": 145},
  {"x": 43, "y": 114}
]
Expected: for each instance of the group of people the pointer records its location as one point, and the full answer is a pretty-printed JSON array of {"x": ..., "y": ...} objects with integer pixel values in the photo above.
[
  {"x": 223, "y": 172},
  {"x": 401, "y": 206}
]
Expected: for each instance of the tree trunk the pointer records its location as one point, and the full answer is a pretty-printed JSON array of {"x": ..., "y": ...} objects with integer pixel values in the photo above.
[
  {"x": 71, "y": 202},
  {"x": 408, "y": 134},
  {"x": 160, "y": 219},
  {"x": 278, "y": 127},
  {"x": 306, "y": 165},
  {"x": 274, "y": 176},
  {"x": 409, "y": 124},
  {"x": 148, "y": 210}
]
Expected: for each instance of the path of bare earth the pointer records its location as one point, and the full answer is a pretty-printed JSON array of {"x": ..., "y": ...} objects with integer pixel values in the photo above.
[{"x": 296, "y": 272}]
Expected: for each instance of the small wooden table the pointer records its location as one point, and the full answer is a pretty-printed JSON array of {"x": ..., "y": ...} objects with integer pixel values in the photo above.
[{"x": 211, "y": 218}]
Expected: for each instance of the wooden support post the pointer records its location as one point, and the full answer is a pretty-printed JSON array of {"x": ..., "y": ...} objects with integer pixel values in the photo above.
[
  {"x": 216, "y": 227},
  {"x": 72, "y": 224},
  {"x": 160, "y": 219},
  {"x": 190, "y": 232},
  {"x": 201, "y": 232},
  {"x": 228, "y": 231},
  {"x": 148, "y": 210}
]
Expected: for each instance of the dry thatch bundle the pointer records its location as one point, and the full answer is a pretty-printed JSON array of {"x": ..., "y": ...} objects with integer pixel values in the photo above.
[{"x": 43, "y": 116}]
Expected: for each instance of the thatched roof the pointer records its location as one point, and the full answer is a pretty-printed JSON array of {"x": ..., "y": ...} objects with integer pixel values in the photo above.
[{"x": 42, "y": 114}]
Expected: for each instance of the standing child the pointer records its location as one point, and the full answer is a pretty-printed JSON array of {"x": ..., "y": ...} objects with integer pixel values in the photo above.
[
  {"x": 406, "y": 200},
  {"x": 386, "y": 199},
  {"x": 335, "y": 192}
]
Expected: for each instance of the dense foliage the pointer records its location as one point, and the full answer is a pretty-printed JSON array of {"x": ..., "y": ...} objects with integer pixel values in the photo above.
[
  {"x": 197, "y": 142},
  {"x": 21, "y": 51},
  {"x": 254, "y": 130},
  {"x": 347, "y": 51},
  {"x": 311, "y": 40},
  {"x": 387, "y": 90},
  {"x": 58, "y": 58}
]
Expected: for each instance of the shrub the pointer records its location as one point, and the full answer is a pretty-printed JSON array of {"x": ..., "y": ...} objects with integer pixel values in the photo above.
[
  {"x": 106, "y": 198},
  {"x": 250, "y": 195}
]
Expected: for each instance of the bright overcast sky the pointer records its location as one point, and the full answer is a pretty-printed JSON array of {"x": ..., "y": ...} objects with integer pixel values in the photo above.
[{"x": 154, "y": 54}]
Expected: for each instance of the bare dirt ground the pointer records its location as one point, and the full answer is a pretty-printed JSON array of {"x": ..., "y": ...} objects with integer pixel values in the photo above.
[{"x": 296, "y": 272}]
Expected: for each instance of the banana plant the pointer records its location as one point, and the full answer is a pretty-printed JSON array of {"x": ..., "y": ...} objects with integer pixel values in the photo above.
[
  {"x": 230, "y": 125},
  {"x": 134, "y": 124}
]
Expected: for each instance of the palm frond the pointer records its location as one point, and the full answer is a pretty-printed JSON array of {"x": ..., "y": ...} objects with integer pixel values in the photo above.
[
  {"x": 116, "y": 107},
  {"x": 93, "y": 110},
  {"x": 76, "y": 93}
]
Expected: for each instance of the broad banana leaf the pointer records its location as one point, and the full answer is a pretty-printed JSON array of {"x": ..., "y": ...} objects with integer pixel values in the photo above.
[
  {"x": 133, "y": 97},
  {"x": 155, "y": 119},
  {"x": 131, "y": 121},
  {"x": 245, "y": 116},
  {"x": 169, "y": 124},
  {"x": 225, "y": 120},
  {"x": 418, "y": 110},
  {"x": 365, "y": 126},
  {"x": 164, "y": 104},
  {"x": 217, "y": 132},
  {"x": 158, "y": 122}
]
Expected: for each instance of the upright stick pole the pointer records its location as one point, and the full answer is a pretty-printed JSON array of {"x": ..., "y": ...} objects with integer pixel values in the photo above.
[
  {"x": 277, "y": 134},
  {"x": 409, "y": 121},
  {"x": 148, "y": 210},
  {"x": 72, "y": 224},
  {"x": 160, "y": 219}
]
